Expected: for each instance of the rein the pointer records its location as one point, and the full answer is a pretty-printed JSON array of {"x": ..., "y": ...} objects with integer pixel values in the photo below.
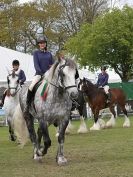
[
  {"x": 65, "y": 88},
  {"x": 60, "y": 73},
  {"x": 17, "y": 90},
  {"x": 74, "y": 101}
]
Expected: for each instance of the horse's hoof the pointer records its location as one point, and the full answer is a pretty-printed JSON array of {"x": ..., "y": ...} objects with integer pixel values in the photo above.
[
  {"x": 109, "y": 125},
  {"x": 62, "y": 161},
  {"x": 39, "y": 152},
  {"x": 37, "y": 158},
  {"x": 12, "y": 138},
  {"x": 102, "y": 123},
  {"x": 82, "y": 131},
  {"x": 126, "y": 126},
  {"x": 94, "y": 128}
]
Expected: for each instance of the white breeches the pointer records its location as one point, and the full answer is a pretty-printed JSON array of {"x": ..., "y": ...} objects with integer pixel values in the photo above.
[
  {"x": 106, "y": 89},
  {"x": 36, "y": 79}
]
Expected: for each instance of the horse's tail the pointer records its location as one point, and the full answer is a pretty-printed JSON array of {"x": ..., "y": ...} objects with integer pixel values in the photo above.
[{"x": 20, "y": 127}]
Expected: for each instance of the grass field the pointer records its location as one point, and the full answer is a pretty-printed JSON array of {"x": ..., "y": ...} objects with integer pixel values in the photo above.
[{"x": 105, "y": 153}]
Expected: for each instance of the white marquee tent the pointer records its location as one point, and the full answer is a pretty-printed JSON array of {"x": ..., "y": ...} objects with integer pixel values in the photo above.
[
  {"x": 6, "y": 58},
  {"x": 26, "y": 63}
]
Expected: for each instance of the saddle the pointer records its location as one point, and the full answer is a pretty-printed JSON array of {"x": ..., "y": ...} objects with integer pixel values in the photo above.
[{"x": 107, "y": 95}]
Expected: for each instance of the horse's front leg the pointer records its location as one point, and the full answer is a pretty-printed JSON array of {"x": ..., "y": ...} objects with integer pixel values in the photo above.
[
  {"x": 43, "y": 132},
  {"x": 39, "y": 133},
  {"x": 96, "y": 125},
  {"x": 61, "y": 160},
  {"x": 111, "y": 123},
  {"x": 30, "y": 125},
  {"x": 11, "y": 131}
]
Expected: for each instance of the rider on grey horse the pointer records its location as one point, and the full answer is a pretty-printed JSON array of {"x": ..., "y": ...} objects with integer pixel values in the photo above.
[
  {"x": 102, "y": 82},
  {"x": 42, "y": 62}
]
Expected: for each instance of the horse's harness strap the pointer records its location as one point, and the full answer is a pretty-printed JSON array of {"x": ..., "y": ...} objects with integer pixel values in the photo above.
[
  {"x": 70, "y": 87},
  {"x": 53, "y": 84}
]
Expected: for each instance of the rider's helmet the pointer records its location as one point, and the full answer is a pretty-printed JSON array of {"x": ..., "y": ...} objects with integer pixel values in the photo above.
[
  {"x": 103, "y": 68},
  {"x": 41, "y": 39},
  {"x": 15, "y": 62}
]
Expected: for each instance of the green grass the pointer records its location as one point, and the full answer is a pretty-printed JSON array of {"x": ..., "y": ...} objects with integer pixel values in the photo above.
[{"x": 105, "y": 153}]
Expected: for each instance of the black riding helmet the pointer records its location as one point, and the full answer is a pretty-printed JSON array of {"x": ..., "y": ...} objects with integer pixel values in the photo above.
[
  {"x": 41, "y": 39},
  {"x": 103, "y": 68},
  {"x": 15, "y": 62}
]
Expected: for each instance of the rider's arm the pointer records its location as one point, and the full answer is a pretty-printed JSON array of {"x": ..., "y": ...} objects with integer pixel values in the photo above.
[
  {"x": 97, "y": 84},
  {"x": 36, "y": 64},
  {"x": 22, "y": 77},
  {"x": 106, "y": 80},
  {"x": 51, "y": 60}
]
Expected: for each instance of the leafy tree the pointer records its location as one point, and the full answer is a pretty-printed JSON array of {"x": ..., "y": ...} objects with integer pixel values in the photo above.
[
  {"x": 20, "y": 23},
  {"x": 7, "y": 16},
  {"x": 58, "y": 19},
  {"x": 108, "y": 41}
]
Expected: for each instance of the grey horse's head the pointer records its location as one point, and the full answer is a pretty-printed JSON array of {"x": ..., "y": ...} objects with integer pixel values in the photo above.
[
  {"x": 65, "y": 71},
  {"x": 13, "y": 82}
]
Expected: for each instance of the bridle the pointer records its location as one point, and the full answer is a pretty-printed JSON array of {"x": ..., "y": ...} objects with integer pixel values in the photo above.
[
  {"x": 60, "y": 76},
  {"x": 15, "y": 88}
]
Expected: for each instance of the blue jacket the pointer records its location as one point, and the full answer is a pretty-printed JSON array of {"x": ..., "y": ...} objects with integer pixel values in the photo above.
[
  {"x": 22, "y": 77},
  {"x": 42, "y": 61},
  {"x": 102, "y": 79}
]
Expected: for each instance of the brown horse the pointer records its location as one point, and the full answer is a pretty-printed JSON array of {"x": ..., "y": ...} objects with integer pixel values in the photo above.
[{"x": 97, "y": 100}]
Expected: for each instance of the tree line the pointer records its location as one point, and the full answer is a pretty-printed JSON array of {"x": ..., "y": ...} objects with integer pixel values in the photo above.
[
  {"x": 88, "y": 29},
  {"x": 57, "y": 19}
]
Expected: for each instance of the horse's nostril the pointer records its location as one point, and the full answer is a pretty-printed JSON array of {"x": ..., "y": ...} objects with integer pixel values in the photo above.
[{"x": 74, "y": 95}]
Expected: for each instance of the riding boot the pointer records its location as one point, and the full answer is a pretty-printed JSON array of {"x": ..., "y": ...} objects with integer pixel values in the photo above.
[
  {"x": 3, "y": 98},
  {"x": 28, "y": 101},
  {"x": 108, "y": 97}
]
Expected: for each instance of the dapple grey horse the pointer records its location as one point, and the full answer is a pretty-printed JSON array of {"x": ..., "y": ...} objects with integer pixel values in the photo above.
[{"x": 54, "y": 110}]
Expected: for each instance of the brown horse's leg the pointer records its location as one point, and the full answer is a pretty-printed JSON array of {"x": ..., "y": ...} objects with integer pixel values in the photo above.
[
  {"x": 127, "y": 121},
  {"x": 96, "y": 125},
  {"x": 111, "y": 122},
  {"x": 123, "y": 109}
]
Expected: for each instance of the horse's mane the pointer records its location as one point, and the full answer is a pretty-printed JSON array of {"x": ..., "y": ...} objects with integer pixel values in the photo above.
[
  {"x": 89, "y": 83},
  {"x": 50, "y": 73}
]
